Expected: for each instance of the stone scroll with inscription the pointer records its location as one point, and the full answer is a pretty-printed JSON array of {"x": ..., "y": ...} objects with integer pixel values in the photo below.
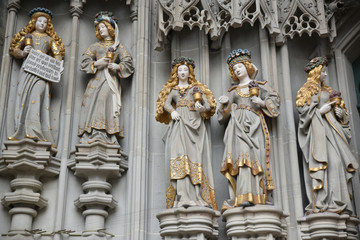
[{"x": 43, "y": 66}]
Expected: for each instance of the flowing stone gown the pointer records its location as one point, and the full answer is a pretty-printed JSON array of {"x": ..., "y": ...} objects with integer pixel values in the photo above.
[
  {"x": 98, "y": 121},
  {"x": 32, "y": 107},
  {"x": 188, "y": 152},
  {"x": 329, "y": 162},
  {"x": 246, "y": 161}
]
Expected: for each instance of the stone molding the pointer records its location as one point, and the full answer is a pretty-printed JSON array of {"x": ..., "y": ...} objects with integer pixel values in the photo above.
[
  {"x": 27, "y": 161},
  {"x": 97, "y": 163},
  {"x": 282, "y": 18},
  {"x": 329, "y": 226},
  {"x": 256, "y": 222},
  {"x": 195, "y": 223}
]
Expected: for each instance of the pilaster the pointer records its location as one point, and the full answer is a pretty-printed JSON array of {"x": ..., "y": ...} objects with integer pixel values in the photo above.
[
  {"x": 138, "y": 155},
  {"x": 13, "y": 8},
  {"x": 76, "y": 11}
]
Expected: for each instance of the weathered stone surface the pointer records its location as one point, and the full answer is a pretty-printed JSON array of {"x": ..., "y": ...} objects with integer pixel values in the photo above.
[
  {"x": 329, "y": 226},
  {"x": 192, "y": 223},
  {"x": 256, "y": 222}
]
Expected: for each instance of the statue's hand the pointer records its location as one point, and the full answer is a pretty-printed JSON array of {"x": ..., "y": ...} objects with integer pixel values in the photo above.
[
  {"x": 26, "y": 50},
  {"x": 114, "y": 66},
  {"x": 339, "y": 112},
  {"x": 175, "y": 116},
  {"x": 102, "y": 62},
  {"x": 199, "y": 107},
  {"x": 325, "y": 108},
  {"x": 258, "y": 101},
  {"x": 224, "y": 99}
]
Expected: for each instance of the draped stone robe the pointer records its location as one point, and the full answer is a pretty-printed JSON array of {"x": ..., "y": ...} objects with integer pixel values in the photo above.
[
  {"x": 329, "y": 163},
  {"x": 188, "y": 153},
  {"x": 32, "y": 107},
  {"x": 246, "y": 159},
  {"x": 97, "y": 119}
]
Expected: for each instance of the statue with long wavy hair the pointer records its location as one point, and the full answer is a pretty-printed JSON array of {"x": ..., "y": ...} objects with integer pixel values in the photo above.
[
  {"x": 105, "y": 61},
  {"x": 32, "y": 107},
  {"x": 324, "y": 135},
  {"x": 185, "y": 104},
  {"x": 246, "y": 161}
]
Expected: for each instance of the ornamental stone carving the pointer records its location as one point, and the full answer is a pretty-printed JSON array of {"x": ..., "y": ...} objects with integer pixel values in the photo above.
[
  {"x": 174, "y": 15},
  {"x": 282, "y": 18},
  {"x": 97, "y": 163},
  {"x": 27, "y": 161}
]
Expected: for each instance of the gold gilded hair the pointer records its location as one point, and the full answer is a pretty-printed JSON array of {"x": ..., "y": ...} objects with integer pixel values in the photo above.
[
  {"x": 30, "y": 27},
  {"x": 111, "y": 30},
  {"x": 311, "y": 87},
  {"x": 161, "y": 114},
  {"x": 249, "y": 68}
]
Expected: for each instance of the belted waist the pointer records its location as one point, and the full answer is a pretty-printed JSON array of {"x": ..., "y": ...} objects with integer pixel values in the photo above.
[{"x": 186, "y": 103}]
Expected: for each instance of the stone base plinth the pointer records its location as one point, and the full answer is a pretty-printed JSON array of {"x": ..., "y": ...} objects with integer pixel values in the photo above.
[
  {"x": 256, "y": 222},
  {"x": 27, "y": 161},
  {"x": 329, "y": 226},
  {"x": 193, "y": 223}
]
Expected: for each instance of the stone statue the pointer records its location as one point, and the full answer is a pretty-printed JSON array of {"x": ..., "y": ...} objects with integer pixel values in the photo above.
[
  {"x": 246, "y": 161},
  {"x": 324, "y": 133},
  {"x": 32, "y": 107},
  {"x": 184, "y": 104},
  {"x": 105, "y": 61}
]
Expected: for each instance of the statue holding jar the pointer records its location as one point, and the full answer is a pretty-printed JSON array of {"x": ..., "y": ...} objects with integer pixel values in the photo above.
[
  {"x": 105, "y": 61},
  {"x": 185, "y": 104},
  {"x": 32, "y": 106},
  {"x": 246, "y": 162},
  {"x": 324, "y": 134}
]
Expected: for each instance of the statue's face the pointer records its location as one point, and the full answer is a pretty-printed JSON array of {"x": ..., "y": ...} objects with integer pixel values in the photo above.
[
  {"x": 41, "y": 23},
  {"x": 183, "y": 73},
  {"x": 240, "y": 70},
  {"x": 323, "y": 73},
  {"x": 104, "y": 32}
]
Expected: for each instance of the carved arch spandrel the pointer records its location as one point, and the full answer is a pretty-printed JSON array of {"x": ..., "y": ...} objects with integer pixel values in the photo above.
[
  {"x": 282, "y": 18},
  {"x": 175, "y": 14},
  {"x": 305, "y": 16},
  {"x": 249, "y": 11}
]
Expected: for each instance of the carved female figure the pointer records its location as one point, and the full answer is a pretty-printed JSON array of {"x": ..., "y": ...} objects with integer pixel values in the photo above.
[
  {"x": 324, "y": 134},
  {"x": 105, "y": 61},
  {"x": 184, "y": 104},
  {"x": 32, "y": 117},
  {"x": 246, "y": 161}
]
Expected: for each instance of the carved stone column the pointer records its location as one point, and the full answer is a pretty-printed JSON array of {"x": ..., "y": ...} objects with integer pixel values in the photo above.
[
  {"x": 13, "y": 8},
  {"x": 195, "y": 223},
  {"x": 76, "y": 11},
  {"x": 27, "y": 161},
  {"x": 257, "y": 222},
  {"x": 329, "y": 226},
  {"x": 97, "y": 163}
]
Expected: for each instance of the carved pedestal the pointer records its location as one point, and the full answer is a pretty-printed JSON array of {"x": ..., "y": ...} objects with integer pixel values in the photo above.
[
  {"x": 97, "y": 163},
  {"x": 27, "y": 161},
  {"x": 329, "y": 226},
  {"x": 193, "y": 223},
  {"x": 256, "y": 222}
]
